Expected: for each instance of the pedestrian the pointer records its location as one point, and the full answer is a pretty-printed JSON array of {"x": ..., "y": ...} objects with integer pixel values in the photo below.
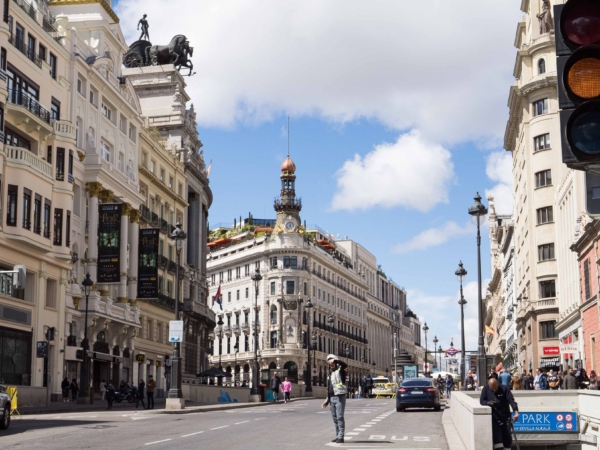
[
  {"x": 286, "y": 387},
  {"x": 275, "y": 384},
  {"x": 517, "y": 382},
  {"x": 64, "y": 386},
  {"x": 74, "y": 388},
  {"x": 139, "y": 395},
  {"x": 103, "y": 388},
  {"x": 370, "y": 386},
  {"x": 593, "y": 380},
  {"x": 110, "y": 395},
  {"x": 583, "y": 380},
  {"x": 540, "y": 382},
  {"x": 504, "y": 378},
  {"x": 150, "y": 391},
  {"x": 469, "y": 381},
  {"x": 553, "y": 381},
  {"x": 449, "y": 384},
  {"x": 500, "y": 399},
  {"x": 363, "y": 387},
  {"x": 570, "y": 382},
  {"x": 336, "y": 395},
  {"x": 475, "y": 380},
  {"x": 440, "y": 384}
]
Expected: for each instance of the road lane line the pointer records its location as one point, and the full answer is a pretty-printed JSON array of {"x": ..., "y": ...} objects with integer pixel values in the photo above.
[
  {"x": 192, "y": 434},
  {"x": 158, "y": 442},
  {"x": 218, "y": 428},
  {"x": 359, "y": 429},
  {"x": 239, "y": 423}
]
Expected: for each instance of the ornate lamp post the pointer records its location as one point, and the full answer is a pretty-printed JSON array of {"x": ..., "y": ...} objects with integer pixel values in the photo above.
[
  {"x": 440, "y": 351},
  {"x": 84, "y": 391},
  {"x": 179, "y": 236},
  {"x": 461, "y": 274},
  {"x": 220, "y": 324},
  {"x": 313, "y": 342},
  {"x": 331, "y": 321},
  {"x": 236, "y": 347},
  {"x": 425, "y": 330},
  {"x": 308, "y": 376},
  {"x": 256, "y": 279},
  {"x": 435, "y": 341},
  {"x": 477, "y": 213}
]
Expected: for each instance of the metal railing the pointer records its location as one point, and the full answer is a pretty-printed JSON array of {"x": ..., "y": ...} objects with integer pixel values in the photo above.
[
  {"x": 26, "y": 50},
  {"x": 21, "y": 98}
]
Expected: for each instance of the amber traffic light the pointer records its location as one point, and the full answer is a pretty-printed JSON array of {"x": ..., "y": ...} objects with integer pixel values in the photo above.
[{"x": 578, "y": 66}]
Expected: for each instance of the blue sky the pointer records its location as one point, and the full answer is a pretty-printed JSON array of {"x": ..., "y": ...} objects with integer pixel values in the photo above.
[{"x": 397, "y": 114}]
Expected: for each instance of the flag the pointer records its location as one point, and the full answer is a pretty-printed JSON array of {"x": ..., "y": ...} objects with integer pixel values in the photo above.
[
  {"x": 217, "y": 298},
  {"x": 489, "y": 330},
  {"x": 208, "y": 169}
]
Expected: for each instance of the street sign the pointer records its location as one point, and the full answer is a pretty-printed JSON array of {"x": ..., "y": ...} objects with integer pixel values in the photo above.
[
  {"x": 314, "y": 372},
  {"x": 410, "y": 371},
  {"x": 547, "y": 422},
  {"x": 452, "y": 351},
  {"x": 176, "y": 331},
  {"x": 42, "y": 349}
]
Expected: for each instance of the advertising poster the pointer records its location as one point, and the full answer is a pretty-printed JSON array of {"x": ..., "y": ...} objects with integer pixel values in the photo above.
[
  {"x": 109, "y": 242},
  {"x": 148, "y": 263}
]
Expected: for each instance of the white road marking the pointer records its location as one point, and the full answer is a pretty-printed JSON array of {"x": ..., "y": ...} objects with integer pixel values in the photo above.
[
  {"x": 359, "y": 429},
  {"x": 352, "y": 434},
  {"x": 158, "y": 442},
  {"x": 239, "y": 423},
  {"x": 140, "y": 417},
  {"x": 192, "y": 434},
  {"x": 366, "y": 425},
  {"x": 218, "y": 428}
]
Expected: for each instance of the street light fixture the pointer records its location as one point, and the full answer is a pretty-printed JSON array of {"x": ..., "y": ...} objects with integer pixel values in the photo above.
[
  {"x": 220, "y": 332},
  {"x": 84, "y": 392},
  {"x": 426, "y": 366},
  {"x": 313, "y": 341},
  {"x": 461, "y": 274},
  {"x": 178, "y": 236},
  {"x": 440, "y": 350},
  {"x": 435, "y": 341},
  {"x": 477, "y": 213},
  {"x": 308, "y": 376},
  {"x": 256, "y": 279},
  {"x": 236, "y": 347}
]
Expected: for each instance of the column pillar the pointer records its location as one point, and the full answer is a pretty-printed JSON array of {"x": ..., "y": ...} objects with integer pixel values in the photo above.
[
  {"x": 134, "y": 234},
  {"x": 94, "y": 189},
  {"x": 125, "y": 210},
  {"x": 105, "y": 196}
]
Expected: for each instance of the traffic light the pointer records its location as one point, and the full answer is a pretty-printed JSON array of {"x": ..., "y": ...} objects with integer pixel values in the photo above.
[{"x": 578, "y": 69}]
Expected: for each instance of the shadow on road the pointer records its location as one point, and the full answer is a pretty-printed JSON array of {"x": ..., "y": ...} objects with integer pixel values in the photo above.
[{"x": 19, "y": 426}]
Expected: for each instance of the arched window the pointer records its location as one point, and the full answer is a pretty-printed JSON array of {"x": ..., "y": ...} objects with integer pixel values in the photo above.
[
  {"x": 273, "y": 314},
  {"x": 541, "y": 66}
]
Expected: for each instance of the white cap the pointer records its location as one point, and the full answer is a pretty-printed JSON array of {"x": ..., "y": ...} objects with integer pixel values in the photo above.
[{"x": 331, "y": 357}]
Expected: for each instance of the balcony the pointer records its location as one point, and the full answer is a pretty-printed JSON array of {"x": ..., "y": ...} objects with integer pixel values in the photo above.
[
  {"x": 64, "y": 129},
  {"x": 172, "y": 266},
  {"x": 146, "y": 214},
  {"x": 163, "y": 262},
  {"x": 27, "y": 110},
  {"x": 24, "y": 48},
  {"x": 44, "y": 20},
  {"x": 164, "y": 226},
  {"x": 23, "y": 157}
]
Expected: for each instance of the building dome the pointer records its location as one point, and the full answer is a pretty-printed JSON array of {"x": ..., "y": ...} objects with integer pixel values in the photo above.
[{"x": 288, "y": 165}]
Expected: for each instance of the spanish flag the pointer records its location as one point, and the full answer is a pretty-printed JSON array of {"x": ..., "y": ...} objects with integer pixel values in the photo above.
[
  {"x": 489, "y": 330},
  {"x": 208, "y": 169}
]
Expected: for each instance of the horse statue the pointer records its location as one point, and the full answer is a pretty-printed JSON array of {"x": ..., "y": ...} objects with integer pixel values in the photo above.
[
  {"x": 183, "y": 59},
  {"x": 167, "y": 54}
]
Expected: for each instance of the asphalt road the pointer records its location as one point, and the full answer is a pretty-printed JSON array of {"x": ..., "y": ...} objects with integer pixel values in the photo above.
[{"x": 370, "y": 424}]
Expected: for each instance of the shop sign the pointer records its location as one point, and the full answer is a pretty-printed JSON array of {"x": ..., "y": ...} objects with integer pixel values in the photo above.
[
  {"x": 547, "y": 422},
  {"x": 551, "y": 351},
  {"x": 549, "y": 362},
  {"x": 148, "y": 263},
  {"x": 569, "y": 348},
  {"x": 141, "y": 357}
]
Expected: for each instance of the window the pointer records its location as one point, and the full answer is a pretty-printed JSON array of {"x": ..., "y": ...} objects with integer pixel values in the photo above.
[
  {"x": 43, "y": 53},
  {"x": 68, "y": 230},
  {"x": 93, "y": 97},
  {"x": 47, "y": 212},
  {"x": 70, "y": 167},
  {"x": 545, "y": 252},
  {"x": 548, "y": 289},
  {"x": 132, "y": 132},
  {"x": 58, "y": 221},
  {"x": 547, "y": 330},
  {"x": 544, "y": 215},
  {"x": 26, "y": 209},
  {"x": 49, "y": 155},
  {"x": 586, "y": 278},
  {"x": 37, "y": 215},
  {"x": 162, "y": 175},
  {"x": 170, "y": 182},
  {"x": 540, "y": 107},
  {"x": 543, "y": 178},
  {"x": 80, "y": 86},
  {"x": 273, "y": 288},
  {"x": 50, "y": 293},
  {"x": 180, "y": 190},
  {"x": 229, "y": 297},
  {"x": 11, "y": 210},
  {"x": 121, "y": 163},
  {"x": 541, "y": 66},
  {"x": 289, "y": 287},
  {"x": 273, "y": 314},
  {"x": 273, "y": 263},
  {"x": 237, "y": 294},
  {"x": 16, "y": 350},
  {"x": 152, "y": 164},
  {"x": 247, "y": 292},
  {"x": 150, "y": 329},
  {"x": 60, "y": 164},
  {"x": 122, "y": 123},
  {"x": 290, "y": 262},
  {"x": 305, "y": 288},
  {"x": 55, "y": 109},
  {"x": 105, "y": 151},
  {"x": 541, "y": 142},
  {"x": 53, "y": 66},
  {"x": 106, "y": 112}
]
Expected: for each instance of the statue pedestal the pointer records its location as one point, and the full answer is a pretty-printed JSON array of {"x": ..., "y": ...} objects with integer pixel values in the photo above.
[{"x": 175, "y": 403}]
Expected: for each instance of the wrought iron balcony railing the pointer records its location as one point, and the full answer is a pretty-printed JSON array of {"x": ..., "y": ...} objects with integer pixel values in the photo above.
[{"x": 21, "y": 98}]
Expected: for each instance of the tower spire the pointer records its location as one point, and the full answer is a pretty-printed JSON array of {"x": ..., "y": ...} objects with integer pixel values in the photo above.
[{"x": 288, "y": 136}]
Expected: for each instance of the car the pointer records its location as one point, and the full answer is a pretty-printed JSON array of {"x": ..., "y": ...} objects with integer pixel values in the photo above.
[
  {"x": 4, "y": 409},
  {"x": 417, "y": 393},
  {"x": 383, "y": 387}
]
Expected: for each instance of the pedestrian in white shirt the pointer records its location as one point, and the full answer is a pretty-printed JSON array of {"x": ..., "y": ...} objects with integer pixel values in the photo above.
[{"x": 103, "y": 388}]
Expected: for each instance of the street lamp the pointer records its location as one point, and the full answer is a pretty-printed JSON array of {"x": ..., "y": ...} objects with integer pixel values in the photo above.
[
  {"x": 331, "y": 321},
  {"x": 435, "y": 341},
  {"x": 308, "y": 376},
  {"x": 374, "y": 365},
  {"x": 425, "y": 330},
  {"x": 256, "y": 279},
  {"x": 236, "y": 347},
  {"x": 313, "y": 341},
  {"x": 347, "y": 352},
  {"x": 477, "y": 213},
  {"x": 220, "y": 324},
  {"x": 461, "y": 274},
  {"x": 440, "y": 350},
  {"x": 84, "y": 392}
]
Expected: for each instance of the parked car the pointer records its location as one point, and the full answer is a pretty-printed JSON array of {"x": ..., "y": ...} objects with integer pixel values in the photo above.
[
  {"x": 4, "y": 408},
  {"x": 417, "y": 393}
]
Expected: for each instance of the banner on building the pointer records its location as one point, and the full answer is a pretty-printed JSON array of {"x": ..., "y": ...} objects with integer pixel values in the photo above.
[
  {"x": 109, "y": 243},
  {"x": 569, "y": 348},
  {"x": 148, "y": 263}
]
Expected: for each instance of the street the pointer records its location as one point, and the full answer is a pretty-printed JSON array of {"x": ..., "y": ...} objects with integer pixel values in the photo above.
[{"x": 370, "y": 424}]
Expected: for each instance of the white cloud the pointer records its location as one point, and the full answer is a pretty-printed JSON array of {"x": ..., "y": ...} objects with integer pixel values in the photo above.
[
  {"x": 432, "y": 65},
  {"x": 499, "y": 169},
  {"x": 412, "y": 172},
  {"x": 434, "y": 237}
]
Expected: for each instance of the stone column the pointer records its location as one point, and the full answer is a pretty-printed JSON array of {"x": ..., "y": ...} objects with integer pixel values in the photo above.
[
  {"x": 94, "y": 190},
  {"x": 134, "y": 234},
  {"x": 125, "y": 210},
  {"x": 105, "y": 196}
]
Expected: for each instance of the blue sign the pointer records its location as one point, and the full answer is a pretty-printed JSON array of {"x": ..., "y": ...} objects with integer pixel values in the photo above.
[{"x": 547, "y": 422}]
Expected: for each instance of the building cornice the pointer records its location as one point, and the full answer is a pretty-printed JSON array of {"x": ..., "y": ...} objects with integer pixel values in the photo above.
[{"x": 102, "y": 3}]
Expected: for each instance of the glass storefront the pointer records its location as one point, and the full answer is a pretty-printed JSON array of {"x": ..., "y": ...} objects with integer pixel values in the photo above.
[{"x": 15, "y": 357}]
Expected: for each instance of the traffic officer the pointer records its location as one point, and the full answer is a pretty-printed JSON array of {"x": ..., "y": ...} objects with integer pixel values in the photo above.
[
  {"x": 500, "y": 399},
  {"x": 336, "y": 394}
]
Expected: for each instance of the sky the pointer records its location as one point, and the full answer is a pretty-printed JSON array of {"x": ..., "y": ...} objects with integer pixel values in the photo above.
[{"x": 397, "y": 115}]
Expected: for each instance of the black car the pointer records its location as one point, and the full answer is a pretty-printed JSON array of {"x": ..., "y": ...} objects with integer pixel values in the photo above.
[{"x": 417, "y": 393}]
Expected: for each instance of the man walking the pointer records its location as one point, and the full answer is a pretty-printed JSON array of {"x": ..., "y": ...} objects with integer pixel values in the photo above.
[
  {"x": 449, "y": 384},
  {"x": 275, "y": 384},
  {"x": 500, "y": 399},
  {"x": 570, "y": 382},
  {"x": 150, "y": 388},
  {"x": 336, "y": 395},
  {"x": 504, "y": 378},
  {"x": 469, "y": 381}
]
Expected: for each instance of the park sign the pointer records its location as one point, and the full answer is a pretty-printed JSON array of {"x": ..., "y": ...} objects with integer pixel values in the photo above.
[{"x": 547, "y": 422}]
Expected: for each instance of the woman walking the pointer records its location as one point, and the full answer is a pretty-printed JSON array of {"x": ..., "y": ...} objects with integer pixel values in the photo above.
[
  {"x": 74, "y": 389},
  {"x": 64, "y": 386},
  {"x": 286, "y": 387},
  {"x": 140, "y": 395},
  {"x": 103, "y": 388}
]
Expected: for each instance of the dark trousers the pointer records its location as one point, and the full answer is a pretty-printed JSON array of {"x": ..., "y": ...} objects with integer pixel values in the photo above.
[
  {"x": 286, "y": 396},
  {"x": 110, "y": 402},
  {"x": 150, "y": 400},
  {"x": 74, "y": 395},
  {"x": 501, "y": 435},
  {"x": 139, "y": 399}
]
